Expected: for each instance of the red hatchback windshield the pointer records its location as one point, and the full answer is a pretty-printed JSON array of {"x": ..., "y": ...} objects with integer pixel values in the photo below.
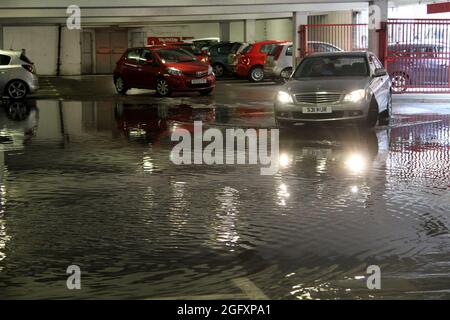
[{"x": 175, "y": 55}]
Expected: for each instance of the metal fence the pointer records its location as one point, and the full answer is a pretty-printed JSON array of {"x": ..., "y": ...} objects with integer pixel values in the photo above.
[{"x": 417, "y": 54}]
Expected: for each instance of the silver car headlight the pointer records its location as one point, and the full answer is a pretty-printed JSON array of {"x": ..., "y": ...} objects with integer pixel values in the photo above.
[
  {"x": 174, "y": 71},
  {"x": 284, "y": 97},
  {"x": 355, "y": 96}
]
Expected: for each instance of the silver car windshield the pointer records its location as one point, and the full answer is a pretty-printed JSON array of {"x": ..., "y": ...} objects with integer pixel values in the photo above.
[{"x": 333, "y": 66}]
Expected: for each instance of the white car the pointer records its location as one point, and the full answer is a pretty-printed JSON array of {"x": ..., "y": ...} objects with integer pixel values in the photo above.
[
  {"x": 17, "y": 75},
  {"x": 278, "y": 63}
]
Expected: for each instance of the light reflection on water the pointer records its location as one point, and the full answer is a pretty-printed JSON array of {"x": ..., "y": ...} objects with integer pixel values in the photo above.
[{"x": 92, "y": 184}]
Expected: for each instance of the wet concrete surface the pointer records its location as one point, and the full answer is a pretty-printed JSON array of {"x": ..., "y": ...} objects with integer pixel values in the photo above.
[{"x": 90, "y": 182}]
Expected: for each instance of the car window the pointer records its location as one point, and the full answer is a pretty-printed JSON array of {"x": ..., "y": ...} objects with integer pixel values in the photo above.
[
  {"x": 235, "y": 47},
  {"x": 333, "y": 66},
  {"x": 192, "y": 48},
  {"x": 289, "y": 51},
  {"x": 175, "y": 55},
  {"x": 145, "y": 56},
  {"x": 224, "y": 49},
  {"x": 4, "y": 60},
  {"x": 247, "y": 49},
  {"x": 25, "y": 59},
  {"x": 275, "y": 51},
  {"x": 133, "y": 56},
  {"x": 266, "y": 48}
]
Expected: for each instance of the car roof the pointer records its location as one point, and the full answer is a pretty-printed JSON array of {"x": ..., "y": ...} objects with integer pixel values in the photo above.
[
  {"x": 269, "y": 42},
  {"x": 10, "y": 52}
]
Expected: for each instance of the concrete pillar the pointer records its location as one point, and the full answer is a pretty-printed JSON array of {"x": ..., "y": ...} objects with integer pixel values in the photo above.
[
  {"x": 250, "y": 30},
  {"x": 1, "y": 36},
  {"x": 378, "y": 13},
  {"x": 298, "y": 18},
  {"x": 224, "y": 31}
]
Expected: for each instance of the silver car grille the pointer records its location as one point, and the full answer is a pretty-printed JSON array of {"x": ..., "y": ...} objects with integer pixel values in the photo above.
[{"x": 318, "y": 97}]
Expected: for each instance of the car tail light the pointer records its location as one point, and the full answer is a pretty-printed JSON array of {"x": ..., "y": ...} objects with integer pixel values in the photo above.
[
  {"x": 28, "y": 67},
  {"x": 244, "y": 60}
]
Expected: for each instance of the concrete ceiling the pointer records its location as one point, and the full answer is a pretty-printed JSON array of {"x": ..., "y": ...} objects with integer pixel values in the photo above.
[{"x": 122, "y": 12}]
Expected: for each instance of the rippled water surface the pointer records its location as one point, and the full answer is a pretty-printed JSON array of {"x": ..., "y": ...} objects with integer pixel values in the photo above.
[{"x": 92, "y": 184}]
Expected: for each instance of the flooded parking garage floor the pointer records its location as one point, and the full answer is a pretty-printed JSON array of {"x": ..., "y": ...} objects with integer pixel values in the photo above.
[{"x": 92, "y": 184}]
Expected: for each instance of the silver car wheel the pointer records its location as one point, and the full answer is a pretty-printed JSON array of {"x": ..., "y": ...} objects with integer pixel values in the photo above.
[
  {"x": 257, "y": 74},
  {"x": 162, "y": 87},
  {"x": 17, "y": 90}
]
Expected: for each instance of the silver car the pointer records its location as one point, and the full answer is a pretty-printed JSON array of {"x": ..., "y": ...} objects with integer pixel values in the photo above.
[
  {"x": 336, "y": 87},
  {"x": 278, "y": 63},
  {"x": 17, "y": 75}
]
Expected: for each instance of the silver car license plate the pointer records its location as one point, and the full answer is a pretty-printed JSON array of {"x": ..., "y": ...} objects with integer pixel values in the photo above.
[
  {"x": 198, "y": 81},
  {"x": 317, "y": 110}
]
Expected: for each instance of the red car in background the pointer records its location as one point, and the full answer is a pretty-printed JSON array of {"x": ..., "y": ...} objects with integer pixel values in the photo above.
[
  {"x": 250, "y": 62},
  {"x": 164, "y": 68}
]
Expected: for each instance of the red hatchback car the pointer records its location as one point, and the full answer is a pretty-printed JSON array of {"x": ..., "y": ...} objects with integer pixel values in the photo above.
[
  {"x": 250, "y": 62},
  {"x": 164, "y": 68}
]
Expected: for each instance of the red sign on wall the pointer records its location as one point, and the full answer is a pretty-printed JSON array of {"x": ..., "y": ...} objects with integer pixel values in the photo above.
[
  {"x": 153, "y": 41},
  {"x": 438, "y": 7}
]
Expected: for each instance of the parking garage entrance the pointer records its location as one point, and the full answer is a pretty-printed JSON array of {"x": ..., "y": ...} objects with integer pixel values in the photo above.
[{"x": 415, "y": 52}]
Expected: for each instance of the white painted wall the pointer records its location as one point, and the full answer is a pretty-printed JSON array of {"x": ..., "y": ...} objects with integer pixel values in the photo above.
[
  {"x": 237, "y": 31},
  {"x": 279, "y": 29},
  {"x": 70, "y": 52},
  {"x": 40, "y": 44}
]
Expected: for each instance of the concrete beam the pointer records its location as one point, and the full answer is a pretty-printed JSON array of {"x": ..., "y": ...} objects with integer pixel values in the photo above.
[
  {"x": 155, "y": 4},
  {"x": 179, "y": 11},
  {"x": 137, "y": 21}
]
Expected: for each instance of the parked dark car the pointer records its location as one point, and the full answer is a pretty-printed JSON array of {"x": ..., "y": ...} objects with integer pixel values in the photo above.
[
  {"x": 418, "y": 65},
  {"x": 219, "y": 56},
  {"x": 164, "y": 68}
]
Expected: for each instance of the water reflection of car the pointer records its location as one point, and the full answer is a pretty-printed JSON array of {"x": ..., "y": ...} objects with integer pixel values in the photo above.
[
  {"x": 153, "y": 122},
  {"x": 279, "y": 61},
  {"x": 18, "y": 123},
  {"x": 349, "y": 150},
  {"x": 164, "y": 68},
  {"x": 418, "y": 64},
  {"x": 17, "y": 75},
  {"x": 336, "y": 87}
]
